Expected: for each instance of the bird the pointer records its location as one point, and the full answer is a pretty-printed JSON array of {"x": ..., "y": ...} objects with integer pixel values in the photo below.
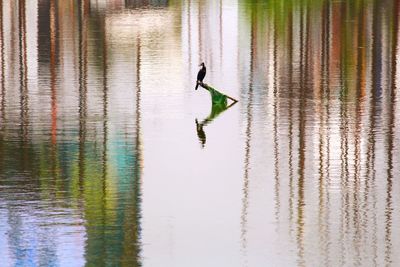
[{"x": 201, "y": 74}]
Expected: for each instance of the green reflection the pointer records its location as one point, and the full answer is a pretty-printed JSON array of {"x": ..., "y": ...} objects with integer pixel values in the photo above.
[
  {"x": 219, "y": 104},
  {"x": 63, "y": 178},
  {"x": 333, "y": 65}
]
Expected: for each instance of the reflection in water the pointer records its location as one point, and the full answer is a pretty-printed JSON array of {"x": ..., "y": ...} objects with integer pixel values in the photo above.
[
  {"x": 70, "y": 179},
  {"x": 276, "y": 141},
  {"x": 311, "y": 159},
  {"x": 216, "y": 110},
  {"x": 324, "y": 181},
  {"x": 249, "y": 120},
  {"x": 2, "y": 63},
  {"x": 145, "y": 3},
  {"x": 24, "y": 96},
  {"x": 303, "y": 75},
  {"x": 335, "y": 98}
]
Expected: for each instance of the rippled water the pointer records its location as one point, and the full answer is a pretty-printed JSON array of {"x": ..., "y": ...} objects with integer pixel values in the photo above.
[{"x": 108, "y": 156}]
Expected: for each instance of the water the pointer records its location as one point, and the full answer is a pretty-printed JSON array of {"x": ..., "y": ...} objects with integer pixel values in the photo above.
[{"x": 108, "y": 156}]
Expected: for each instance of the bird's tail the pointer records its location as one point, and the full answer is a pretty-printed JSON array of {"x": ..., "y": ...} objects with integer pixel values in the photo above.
[{"x": 197, "y": 85}]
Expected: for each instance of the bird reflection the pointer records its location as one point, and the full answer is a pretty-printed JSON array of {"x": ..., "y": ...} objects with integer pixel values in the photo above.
[
  {"x": 216, "y": 110},
  {"x": 200, "y": 133}
]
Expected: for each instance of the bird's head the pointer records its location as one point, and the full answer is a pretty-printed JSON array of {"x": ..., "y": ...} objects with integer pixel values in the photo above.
[{"x": 202, "y": 64}]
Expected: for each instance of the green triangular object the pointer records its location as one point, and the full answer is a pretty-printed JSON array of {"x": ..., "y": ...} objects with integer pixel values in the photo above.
[
  {"x": 219, "y": 103},
  {"x": 217, "y": 97}
]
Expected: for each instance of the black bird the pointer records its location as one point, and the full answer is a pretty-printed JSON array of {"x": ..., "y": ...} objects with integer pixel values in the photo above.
[{"x": 201, "y": 74}]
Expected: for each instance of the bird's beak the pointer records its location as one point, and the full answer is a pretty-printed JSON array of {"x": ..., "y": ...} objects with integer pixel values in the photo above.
[{"x": 200, "y": 64}]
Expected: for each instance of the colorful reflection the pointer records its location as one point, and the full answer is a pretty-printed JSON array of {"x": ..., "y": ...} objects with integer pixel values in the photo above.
[
  {"x": 70, "y": 157},
  {"x": 100, "y": 164},
  {"x": 327, "y": 72}
]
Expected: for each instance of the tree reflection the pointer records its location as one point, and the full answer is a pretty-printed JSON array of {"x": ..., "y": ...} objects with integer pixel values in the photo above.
[
  {"x": 319, "y": 77},
  {"x": 336, "y": 98},
  {"x": 59, "y": 163}
]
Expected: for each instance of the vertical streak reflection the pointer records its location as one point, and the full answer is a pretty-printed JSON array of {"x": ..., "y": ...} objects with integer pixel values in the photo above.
[
  {"x": 53, "y": 73},
  {"x": 302, "y": 141},
  {"x": 82, "y": 21},
  {"x": 200, "y": 33},
  {"x": 24, "y": 100},
  {"x": 2, "y": 86},
  {"x": 2, "y": 64},
  {"x": 53, "y": 76},
  {"x": 245, "y": 200},
  {"x": 138, "y": 153},
  {"x": 390, "y": 136},
  {"x": 291, "y": 119},
  {"x": 105, "y": 135},
  {"x": 371, "y": 172},
  {"x": 357, "y": 188},
  {"x": 220, "y": 34},
  {"x": 275, "y": 106},
  {"x": 376, "y": 100},
  {"x": 324, "y": 144},
  {"x": 189, "y": 34},
  {"x": 344, "y": 177}
]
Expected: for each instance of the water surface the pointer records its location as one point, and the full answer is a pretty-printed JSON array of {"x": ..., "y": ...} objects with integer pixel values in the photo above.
[{"x": 108, "y": 156}]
